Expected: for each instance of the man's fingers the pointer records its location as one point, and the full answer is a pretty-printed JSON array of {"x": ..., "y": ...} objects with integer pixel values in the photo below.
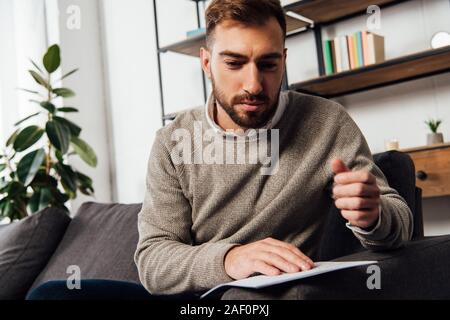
[
  {"x": 266, "y": 269},
  {"x": 355, "y": 190},
  {"x": 277, "y": 261},
  {"x": 338, "y": 166},
  {"x": 360, "y": 176},
  {"x": 356, "y": 203},
  {"x": 288, "y": 255},
  {"x": 291, "y": 248}
]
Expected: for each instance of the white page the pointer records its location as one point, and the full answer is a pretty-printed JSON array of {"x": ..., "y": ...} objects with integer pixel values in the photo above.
[{"x": 262, "y": 281}]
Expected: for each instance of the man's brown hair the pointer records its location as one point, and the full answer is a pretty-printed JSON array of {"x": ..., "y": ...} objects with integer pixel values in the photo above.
[{"x": 247, "y": 12}]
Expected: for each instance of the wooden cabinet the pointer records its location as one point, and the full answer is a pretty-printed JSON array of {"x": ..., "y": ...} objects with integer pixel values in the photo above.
[{"x": 432, "y": 169}]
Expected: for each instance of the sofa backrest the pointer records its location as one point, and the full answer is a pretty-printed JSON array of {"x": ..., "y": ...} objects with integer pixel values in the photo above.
[
  {"x": 100, "y": 242},
  {"x": 25, "y": 248}
]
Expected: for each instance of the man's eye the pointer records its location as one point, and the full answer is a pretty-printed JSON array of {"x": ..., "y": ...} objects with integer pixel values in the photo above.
[
  {"x": 233, "y": 64},
  {"x": 268, "y": 66}
]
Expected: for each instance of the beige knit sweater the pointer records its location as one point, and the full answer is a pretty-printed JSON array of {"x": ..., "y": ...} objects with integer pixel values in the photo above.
[{"x": 194, "y": 212}]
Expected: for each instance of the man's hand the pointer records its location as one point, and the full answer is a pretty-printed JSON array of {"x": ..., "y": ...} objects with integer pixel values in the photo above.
[
  {"x": 356, "y": 194},
  {"x": 269, "y": 256}
]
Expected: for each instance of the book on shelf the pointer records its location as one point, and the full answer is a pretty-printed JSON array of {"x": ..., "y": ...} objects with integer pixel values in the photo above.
[
  {"x": 352, "y": 51},
  {"x": 337, "y": 55},
  {"x": 359, "y": 51},
  {"x": 345, "y": 63},
  {"x": 328, "y": 60},
  {"x": 375, "y": 48}
]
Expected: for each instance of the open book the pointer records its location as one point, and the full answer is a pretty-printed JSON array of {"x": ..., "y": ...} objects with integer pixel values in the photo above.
[{"x": 262, "y": 281}]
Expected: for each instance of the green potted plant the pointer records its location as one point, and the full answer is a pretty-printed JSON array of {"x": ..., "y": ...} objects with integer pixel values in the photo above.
[
  {"x": 34, "y": 165},
  {"x": 435, "y": 136}
]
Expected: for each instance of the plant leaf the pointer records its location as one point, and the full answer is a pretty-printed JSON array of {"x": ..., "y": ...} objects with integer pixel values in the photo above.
[
  {"x": 2, "y": 206},
  {"x": 68, "y": 178},
  {"x": 84, "y": 151},
  {"x": 27, "y": 137},
  {"x": 52, "y": 59},
  {"x": 40, "y": 199},
  {"x": 7, "y": 209},
  {"x": 25, "y": 119},
  {"x": 59, "y": 196},
  {"x": 12, "y": 138},
  {"x": 63, "y": 92},
  {"x": 59, "y": 156},
  {"x": 29, "y": 165},
  {"x": 67, "y": 109},
  {"x": 59, "y": 135},
  {"x": 29, "y": 91},
  {"x": 33, "y": 204},
  {"x": 74, "y": 129},
  {"x": 3, "y": 185},
  {"x": 68, "y": 74},
  {"x": 50, "y": 107},
  {"x": 85, "y": 184},
  {"x": 42, "y": 179},
  {"x": 36, "y": 66},
  {"x": 37, "y": 77},
  {"x": 2, "y": 166},
  {"x": 15, "y": 188},
  {"x": 45, "y": 198}
]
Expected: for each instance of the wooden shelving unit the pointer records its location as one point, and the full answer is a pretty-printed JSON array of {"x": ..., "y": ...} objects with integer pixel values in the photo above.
[
  {"x": 322, "y": 13},
  {"x": 311, "y": 9},
  {"x": 390, "y": 72}
]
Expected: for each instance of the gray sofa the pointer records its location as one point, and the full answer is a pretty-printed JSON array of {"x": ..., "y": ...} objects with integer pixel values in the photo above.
[{"x": 101, "y": 239}]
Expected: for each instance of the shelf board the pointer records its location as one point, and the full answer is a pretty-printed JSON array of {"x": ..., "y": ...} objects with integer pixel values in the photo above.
[
  {"x": 320, "y": 11},
  {"x": 189, "y": 46},
  {"x": 402, "y": 69},
  {"x": 329, "y": 11},
  {"x": 170, "y": 116}
]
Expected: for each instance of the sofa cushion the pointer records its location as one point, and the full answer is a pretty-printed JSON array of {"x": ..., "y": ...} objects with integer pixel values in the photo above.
[
  {"x": 25, "y": 248},
  {"x": 101, "y": 241}
]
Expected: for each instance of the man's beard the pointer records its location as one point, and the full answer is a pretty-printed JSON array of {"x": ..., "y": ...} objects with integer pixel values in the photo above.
[{"x": 248, "y": 119}]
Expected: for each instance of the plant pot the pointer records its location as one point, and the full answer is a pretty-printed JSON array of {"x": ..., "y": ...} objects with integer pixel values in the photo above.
[{"x": 434, "y": 138}]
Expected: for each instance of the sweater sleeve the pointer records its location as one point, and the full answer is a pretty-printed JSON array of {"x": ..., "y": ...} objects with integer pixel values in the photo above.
[
  {"x": 395, "y": 222},
  {"x": 167, "y": 260}
]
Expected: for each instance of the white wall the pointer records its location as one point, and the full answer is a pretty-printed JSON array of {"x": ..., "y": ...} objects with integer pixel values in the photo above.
[
  {"x": 22, "y": 36},
  {"x": 132, "y": 81},
  {"x": 81, "y": 48}
]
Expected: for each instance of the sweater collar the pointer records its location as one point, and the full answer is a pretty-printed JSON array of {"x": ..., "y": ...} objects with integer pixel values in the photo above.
[{"x": 209, "y": 113}]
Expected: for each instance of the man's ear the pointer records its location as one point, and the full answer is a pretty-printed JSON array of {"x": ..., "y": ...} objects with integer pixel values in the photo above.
[{"x": 205, "y": 59}]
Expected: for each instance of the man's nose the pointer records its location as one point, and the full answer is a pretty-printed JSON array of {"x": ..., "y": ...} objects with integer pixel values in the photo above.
[{"x": 253, "y": 81}]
